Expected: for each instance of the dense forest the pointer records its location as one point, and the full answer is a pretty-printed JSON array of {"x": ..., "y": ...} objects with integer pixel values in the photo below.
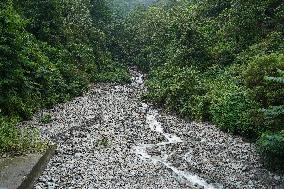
[
  {"x": 220, "y": 61},
  {"x": 50, "y": 51},
  {"x": 216, "y": 61}
]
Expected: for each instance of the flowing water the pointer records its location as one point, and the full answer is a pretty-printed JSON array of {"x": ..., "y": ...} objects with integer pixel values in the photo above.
[
  {"x": 108, "y": 138},
  {"x": 156, "y": 126}
]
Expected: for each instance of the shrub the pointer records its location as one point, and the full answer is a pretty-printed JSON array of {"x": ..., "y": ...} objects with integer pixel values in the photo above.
[
  {"x": 17, "y": 140},
  {"x": 49, "y": 53},
  {"x": 260, "y": 74},
  {"x": 112, "y": 72},
  {"x": 180, "y": 42},
  {"x": 271, "y": 149},
  {"x": 157, "y": 35},
  {"x": 22, "y": 65},
  {"x": 232, "y": 109},
  {"x": 266, "y": 93},
  {"x": 274, "y": 115},
  {"x": 179, "y": 89},
  {"x": 45, "y": 118}
]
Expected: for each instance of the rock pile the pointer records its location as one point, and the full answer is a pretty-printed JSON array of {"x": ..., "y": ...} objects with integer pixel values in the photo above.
[{"x": 109, "y": 138}]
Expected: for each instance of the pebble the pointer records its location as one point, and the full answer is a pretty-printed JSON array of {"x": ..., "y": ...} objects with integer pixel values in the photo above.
[{"x": 97, "y": 134}]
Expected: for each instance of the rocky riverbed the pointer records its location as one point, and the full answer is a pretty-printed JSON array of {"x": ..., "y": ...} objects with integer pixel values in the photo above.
[{"x": 109, "y": 138}]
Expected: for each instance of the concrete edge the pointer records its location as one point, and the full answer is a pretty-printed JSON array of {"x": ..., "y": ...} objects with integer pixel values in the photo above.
[{"x": 36, "y": 171}]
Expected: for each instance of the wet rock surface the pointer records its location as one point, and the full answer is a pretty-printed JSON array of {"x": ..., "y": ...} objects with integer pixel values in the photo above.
[
  {"x": 14, "y": 170},
  {"x": 109, "y": 138}
]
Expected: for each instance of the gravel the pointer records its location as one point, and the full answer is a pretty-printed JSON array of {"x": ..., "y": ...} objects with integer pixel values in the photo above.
[{"x": 109, "y": 138}]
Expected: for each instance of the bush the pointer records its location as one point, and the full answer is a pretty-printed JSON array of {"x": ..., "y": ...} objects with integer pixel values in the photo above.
[
  {"x": 211, "y": 60},
  {"x": 264, "y": 92},
  {"x": 271, "y": 149},
  {"x": 17, "y": 140},
  {"x": 23, "y": 66},
  {"x": 157, "y": 35},
  {"x": 274, "y": 115},
  {"x": 49, "y": 52},
  {"x": 113, "y": 72},
  {"x": 232, "y": 109},
  {"x": 258, "y": 73},
  {"x": 179, "y": 89},
  {"x": 45, "y": 118}
]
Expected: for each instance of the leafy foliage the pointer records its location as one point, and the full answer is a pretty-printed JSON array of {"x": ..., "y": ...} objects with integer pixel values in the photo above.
[
  {"x": 271, "y": 147},
  {"x": 46, "y": 118},
  {"x": 17, "y": 140},
  {"x": 232, "y": 109},
  {"x": 211, "y": 60},
  {"x": 49, "y": 52},
  {"x": 259, "y": 67},
  {"x": 179, "y": 89},
  {"x": 220, "y": 61},
  {"x": 274, "y": 115}
]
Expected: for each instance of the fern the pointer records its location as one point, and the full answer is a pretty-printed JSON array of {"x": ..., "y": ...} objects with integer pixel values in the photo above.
[
  {"x": 273, "y": 111},
  {"x": 274, "y": 114},
  {"x": 279, "y": 79}
]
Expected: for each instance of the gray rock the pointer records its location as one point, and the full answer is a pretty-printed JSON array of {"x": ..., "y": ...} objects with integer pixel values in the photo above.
[{"x": 119, "y": 150}]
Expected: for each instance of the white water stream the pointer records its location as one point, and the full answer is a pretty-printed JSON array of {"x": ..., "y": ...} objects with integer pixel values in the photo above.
[
  {"x": 156, "y": 126},
  {"x": 141, "y": 150}
]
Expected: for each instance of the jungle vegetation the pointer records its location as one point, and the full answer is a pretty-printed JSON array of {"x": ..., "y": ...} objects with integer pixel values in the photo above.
[{"x": 220, "y": 61}]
